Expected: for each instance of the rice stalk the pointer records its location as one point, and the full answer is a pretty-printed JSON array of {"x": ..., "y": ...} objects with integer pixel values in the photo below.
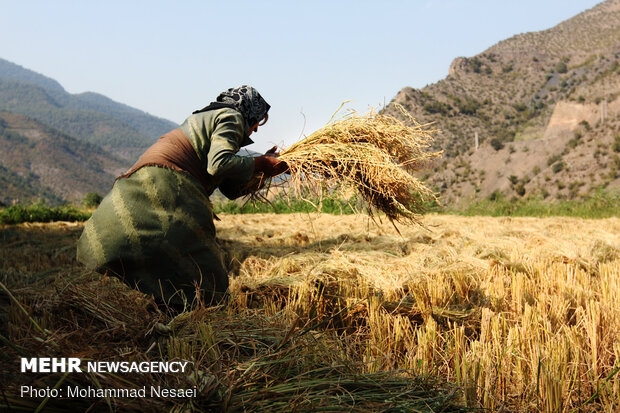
[{"x": 374, "y": 156}]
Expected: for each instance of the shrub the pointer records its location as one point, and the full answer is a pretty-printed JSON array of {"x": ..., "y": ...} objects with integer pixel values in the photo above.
[
  {"x": 16, "y": 214},
  {"x": 475, "y": 64},
  {"x": 437, "y": 107},
  {"x": 585, "y": 124},
  {"x": 616, "y": 145},
  {"x": 520, "y": 189},
  {"x": 468, "y": 107},
  {"x": 557, "y": 167},
  {"x": 92, "y": 200},
  {"x": 561, "y": 67},
  {"x": 497, "y": 144},
  {"x": 573, "y": 189},
  {"x": 496, "y": 195},
  {"x": 576, "y": 140},
  {"x": 553, "y": 159}
]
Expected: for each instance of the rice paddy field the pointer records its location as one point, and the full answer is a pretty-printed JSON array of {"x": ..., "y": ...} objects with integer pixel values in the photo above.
[{"x": 337, "y": 313}]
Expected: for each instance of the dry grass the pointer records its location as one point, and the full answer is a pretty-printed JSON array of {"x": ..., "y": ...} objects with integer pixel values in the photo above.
[
  {"x": 521, "y": 313},
  {"x": 243, "y": 359},
  {"x": 373, "y": 155}
]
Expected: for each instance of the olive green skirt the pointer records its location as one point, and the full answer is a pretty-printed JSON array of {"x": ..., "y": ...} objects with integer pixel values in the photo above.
[{"x": 155, "y": 231}]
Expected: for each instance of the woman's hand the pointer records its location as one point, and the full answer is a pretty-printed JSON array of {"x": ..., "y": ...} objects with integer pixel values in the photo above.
[
  {"x": 273, "y": 151},
  {"x": 269, "y": 164}
]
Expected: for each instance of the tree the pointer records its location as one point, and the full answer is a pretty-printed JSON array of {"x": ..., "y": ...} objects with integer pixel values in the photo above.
[{"x": 92, "y": 200}]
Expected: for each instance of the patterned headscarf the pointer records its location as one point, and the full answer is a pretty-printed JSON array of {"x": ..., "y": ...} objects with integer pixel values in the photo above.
[{"x": 248, "y": 101}]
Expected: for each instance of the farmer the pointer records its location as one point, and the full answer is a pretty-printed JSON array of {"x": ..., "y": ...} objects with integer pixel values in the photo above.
[{"x": 155, "y": 228}]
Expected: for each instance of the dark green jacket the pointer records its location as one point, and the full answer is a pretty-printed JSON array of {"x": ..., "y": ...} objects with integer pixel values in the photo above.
[{"x": 217, "y": 135}]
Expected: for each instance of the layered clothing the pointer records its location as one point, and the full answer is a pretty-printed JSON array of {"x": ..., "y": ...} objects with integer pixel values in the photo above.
[{"x": 155, "y": 228}]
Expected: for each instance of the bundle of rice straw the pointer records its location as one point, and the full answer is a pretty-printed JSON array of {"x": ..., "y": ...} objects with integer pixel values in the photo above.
[{"x": 376, "y": 155}]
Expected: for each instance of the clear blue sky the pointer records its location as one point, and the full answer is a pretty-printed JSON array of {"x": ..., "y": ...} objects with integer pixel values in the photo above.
[{"x": 171, "y": 57}]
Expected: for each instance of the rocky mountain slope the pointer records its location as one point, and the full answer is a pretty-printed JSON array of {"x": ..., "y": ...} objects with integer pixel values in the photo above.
[
  {"x": 544, "y": 107},
  {"x": 38, "y": 162}
]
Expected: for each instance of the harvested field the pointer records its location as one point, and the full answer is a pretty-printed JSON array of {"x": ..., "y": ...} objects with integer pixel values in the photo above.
[{"x": 327, "y": 312}]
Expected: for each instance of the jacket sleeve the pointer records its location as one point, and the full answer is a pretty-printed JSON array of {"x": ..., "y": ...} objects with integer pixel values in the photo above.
[
  {"x": 233, "y": 189},
  {"x": 222, "y": 161}
]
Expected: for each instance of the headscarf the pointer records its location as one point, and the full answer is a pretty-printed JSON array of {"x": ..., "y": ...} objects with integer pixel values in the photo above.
[{"x": 244, "y": 99}]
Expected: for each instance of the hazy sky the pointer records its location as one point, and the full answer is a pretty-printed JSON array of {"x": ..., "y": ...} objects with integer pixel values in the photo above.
[{"x": 169, "y": 58}]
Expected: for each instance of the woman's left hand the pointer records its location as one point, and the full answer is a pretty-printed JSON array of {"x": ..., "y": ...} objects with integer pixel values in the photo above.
[
  {"x": 275, "y": 151},
  {"x": 270, "y": 165}
]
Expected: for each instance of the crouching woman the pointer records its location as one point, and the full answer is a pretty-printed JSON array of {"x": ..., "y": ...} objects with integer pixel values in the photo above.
[{"x": 155, "y": 228}]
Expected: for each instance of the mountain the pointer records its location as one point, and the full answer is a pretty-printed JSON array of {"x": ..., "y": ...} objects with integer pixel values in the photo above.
[
  {"x": 89, "y": 117},
  {"x": 544, "y": 105},
  {"x": 39, "y": 162},
  {"x": 58, "y": 146},
  {"x": 12, "y": 72},
  {"x": 23, "y": 188}
]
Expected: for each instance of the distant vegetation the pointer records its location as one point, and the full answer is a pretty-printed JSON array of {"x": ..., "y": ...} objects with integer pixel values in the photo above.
[
  {"x": 16, "y": 214},
  {"x": 602, "y": 204},
  {"x": 38, "y": 162},
  {"x": 23, "y": 187},
  {"x": 286, "y": 206},
  {"x": 92, "y": 200}
]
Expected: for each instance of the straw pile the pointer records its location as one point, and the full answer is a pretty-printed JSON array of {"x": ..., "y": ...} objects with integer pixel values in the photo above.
[
  {"x": 374, "y": 155},
  {"x": 242, "y": 359}
]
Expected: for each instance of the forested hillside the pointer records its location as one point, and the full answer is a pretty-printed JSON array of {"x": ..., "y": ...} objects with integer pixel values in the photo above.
[
  {"x": 88, "y": 117},
  {"x": 38, "y": 162},
  {"x": 56, "y": 146}
]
